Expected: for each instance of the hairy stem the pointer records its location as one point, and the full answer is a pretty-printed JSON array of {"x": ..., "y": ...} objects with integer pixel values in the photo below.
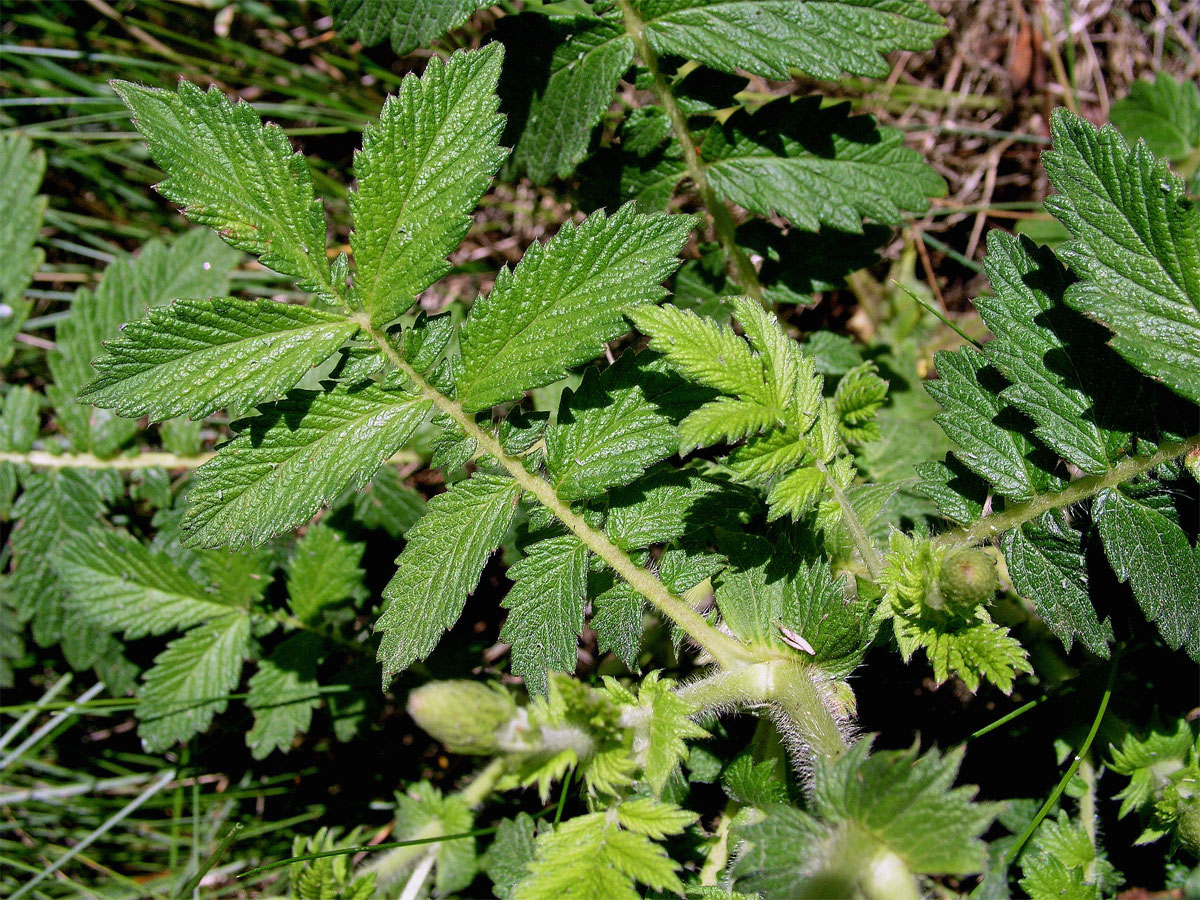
[
  {"x": 42, "y": 459},
  {"x": 724, "y": 649},
  {"x": 787, "y": 686},
  {"x": 1077, "y": 491},
  {"x": 862, "y": 541},
  {"x": 723, "y": 224}
]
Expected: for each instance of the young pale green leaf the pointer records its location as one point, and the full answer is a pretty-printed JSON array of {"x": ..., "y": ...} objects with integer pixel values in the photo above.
[
  {"x": 545, "y": 607},
  {"x": 21, "y": 209},
  {"x": 196, "y": 356},
  {"x": 233, "y": 174},
  {"x": 118, "y": 583},
  {"x": 323, "y": 571},
  {"x": 440, "y": 566},
  {"x": 859, "y": 396},
  {"x": 405, "y": 24},
  {"x": 817, "y": 165},
  {"x": 283, "y": 694},
  {"x": 191, "y": 680},
  {"x": 976, "y": 650},
  {"x": 1149, "y": 549},
  {"x": 563, "y": 301},
  {"x": 1136, "y": 245},
  {"x": 771, "y": 37},
  {"x": 796, "y": 493},
  {"x": 423, "y": 811},
  {"x": 616, "y": 425},
  {"x": 300, "y": 454},
  {"x": 1047, "y": 564},
  {"x": 421, "y": 170},
  {"x": 562, "y": 74},
  {"x": 592, "y": 856},
  {"x": 705, "y": 352},
  {"x": 976, "y": 420},
  {"x": 1165, "y": 113},
  {"x": 664, "y": 727}
]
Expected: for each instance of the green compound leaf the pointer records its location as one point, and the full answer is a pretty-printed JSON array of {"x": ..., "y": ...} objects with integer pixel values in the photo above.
[
  {"x": 405, "y": 24},
  {"x": 665, "y": 726},
  {"x": 233, "y": 174},
  {"x": 562, "y": 74},
  {"x": 1149, "y": 549},
  {"x": 619, "y": 422},
  {"x": 421, "y": 170},
  {"x": 300, "y": 454},
  {"x": 545, "y": 607},
  {"x": 603, "y": 855},
  {"x": 770, "y": 37},
  {"x": 121, "y": 585},
  {"x": 191, "y": 681},
  {"x": 322, "y": 571},
  {"x": 893, "y": 803},
  {"x": 563, "y": 301},
  {"x": 817, "y": 166},
  {"x": 196, "y": 356},
  {"x": 1165, "y": 113},
  {"x": 283, "y": 693},
  {"x": 1136, "y": 245},
  {"x": 21, "y": 209},
  {"x": 440, "y": 566},
  {"x": 1047, "y": 564},
  {"x": 976, "y": 650}
]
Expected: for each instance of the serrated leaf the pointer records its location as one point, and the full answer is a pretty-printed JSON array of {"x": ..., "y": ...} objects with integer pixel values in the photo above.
[
  {"x": 859, "y": 395},
  {"x": 561, "y": 77},
  {"x": 54, "y": 506},
  {"x": 21, "y": 209},
  {"x": 196, "y": 356},
  {"x": 653, "y": 818},
  {"x": 506, "y": 858},
  {"x": 975, "y": 650},
  {"x": 322, "y": 571},
  {"x": 283, "y": 693},
  {"x": 591, "y": 856},
  {"x": 664, "y": 506},
  {"x": 19, "y": 424},
  {"x": 770, "y": 37},
  {"x": 440, "y": 566},
  {"x": 1151, "y": 551},
  {"x": 817, "y": 165},
  {"x": 421, "y": 170},
  {"x": 230, "y": 172},
  {"x": 1136, "y": 245},
  {"x": 795, "y": 493},
  {"x": 667, "y": 726},
  {"x": 616, "y": 425},
  {"x": 405, "y": 24},
  {"x": 191, "y": 680},
  {"x": 563, "y": 301},
  {"x": 423, "y": 811},
  {"x": 545, "y": 607},
  {"x": 1047, "y": 565},
  {"x": 993, "y": 446},
  {"x": 301, "y": 453},
  {"x": 387, "y": 503},
  {"x": 119, "y": 584},
  {"x": 617, "y": 619}
]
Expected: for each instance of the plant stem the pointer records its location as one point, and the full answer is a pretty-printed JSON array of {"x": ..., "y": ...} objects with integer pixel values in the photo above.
[
  {"x": 862, "y": 541},
  {"x": 1081, "y": 489},
  {"x": 43, "y": 459},
  {"x": 725, "y": 650},
  {"x": 786, "y": 685},
  {"x": 723, "y": 224}
]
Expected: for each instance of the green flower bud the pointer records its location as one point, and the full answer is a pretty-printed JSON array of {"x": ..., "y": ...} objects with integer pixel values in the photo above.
[
  {"x": 463, "y": 715},
  {"x": 967, "y": 579}
]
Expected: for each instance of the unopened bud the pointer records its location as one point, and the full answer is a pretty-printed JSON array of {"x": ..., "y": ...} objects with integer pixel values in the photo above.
[
  {"x": 463, "y": 715},
  {"x": 968, "y": 579}
]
